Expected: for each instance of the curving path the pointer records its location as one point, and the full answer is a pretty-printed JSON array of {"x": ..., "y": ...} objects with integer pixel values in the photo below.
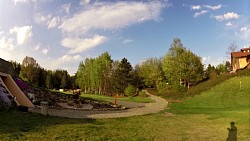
[{"x": 135, "y": 110}]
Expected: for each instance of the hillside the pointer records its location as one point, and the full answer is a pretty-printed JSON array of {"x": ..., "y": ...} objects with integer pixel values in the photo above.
[
  {"x": 6, "y": 67},
  {"x": 229, "y": 95}
]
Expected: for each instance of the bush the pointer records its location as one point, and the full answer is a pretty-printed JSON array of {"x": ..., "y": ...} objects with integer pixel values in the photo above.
[
  {"x": 142, "y": 94},
  {"x": 130, "y": 90},
  {"x": 162, "y": 88}
]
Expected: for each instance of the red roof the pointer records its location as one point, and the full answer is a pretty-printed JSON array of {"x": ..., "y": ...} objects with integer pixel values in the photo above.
[{"x": 240, "y": 54}]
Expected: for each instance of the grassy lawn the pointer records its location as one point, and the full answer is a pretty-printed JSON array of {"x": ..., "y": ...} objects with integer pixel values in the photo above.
[
  {"x": 109, "y": 98},
  {"x": 203, "y": 117},
  {"x": 21, "y": 126}
]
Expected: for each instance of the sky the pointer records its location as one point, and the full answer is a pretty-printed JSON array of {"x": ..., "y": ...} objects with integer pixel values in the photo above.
[{"x": 59, "y": 34}]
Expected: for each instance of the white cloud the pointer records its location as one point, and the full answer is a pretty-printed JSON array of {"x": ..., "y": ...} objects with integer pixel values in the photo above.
[
  {"x": 112, "y": 16},
  {"x": 66, "y": 7},
  {"x": 243, "y": 29},
  {"x": 78, "y": 45},
  {"x": 126, "y": 41},
  {"x": 200, "y": 13},
  {"x": 83, "y": 2},
  {"x": 66, "y": 62},
  {"x": 6, "y": 43},
  {"x": 227, "y": 16},
  {"x": 24, "y": 34},
  {"x": 47, "y": 20},
  {"x": 244, "y": 33},
  {"x": 21, "y": 1},
  {"x": 195, "y": 7},
  {"x": 53, "y": 22},
  {"x": 30, "y": 1},
  {"x": 36, "y": 47},
  {"x": 45, "y": 51},
  {"x": 11, "y": 55},
  {"x": 214, "y": 61},
  {"x": 41, "y": 19},
  {"x": 229, "y": 24},
  {"x": 69, "y": 58},
  {"x": 213, "y": 7}
]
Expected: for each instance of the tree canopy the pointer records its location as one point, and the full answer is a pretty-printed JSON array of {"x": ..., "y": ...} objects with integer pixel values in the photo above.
[{"x": 181, "y": 66}]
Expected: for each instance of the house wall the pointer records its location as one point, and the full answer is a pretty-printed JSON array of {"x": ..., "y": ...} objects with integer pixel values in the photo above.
[
  {"x": 239, "y": 63},
  {"x": 235, "y": 64},
  {"x": 242, "y": 62}
]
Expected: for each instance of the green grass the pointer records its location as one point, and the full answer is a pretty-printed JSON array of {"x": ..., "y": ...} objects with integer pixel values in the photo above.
[
  {"x": 211, "y": 83},
  {"x": 200, "y": 87},
  {"x": 203, "y": 117},
  {"x": 107, "y": 98},
  {"x": 186, "y": 127},
  {"x": 226, "y": 96}
]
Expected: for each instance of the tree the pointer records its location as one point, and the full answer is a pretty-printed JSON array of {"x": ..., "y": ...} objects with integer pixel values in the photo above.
[
  {"x": 16, "y": 67},
  {"x": 94, "y": 74},
  {"x": 64, "y": 81},
  {"x": 231, "y": 48},
  {"x": 211, "y": 72},
  {"x": 122, "y": 76},
  {"x": 172, "y": 62},
  {"x": 192, "y": 68},
  {"x": 30, "y": 71},
  {"x": 130, "y": 90},
  {"x": 137, "y": 80},
  {"x": 151, "y": 71},
  {"x": 182, "y": 67},
  {"x": 223, "y": 68},
  {"x": 49, "y": 82},
  {"x": 42, "y": 74}
]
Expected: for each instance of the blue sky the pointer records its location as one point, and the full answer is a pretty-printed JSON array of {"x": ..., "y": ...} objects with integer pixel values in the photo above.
[{"x": 61, "y": 33}]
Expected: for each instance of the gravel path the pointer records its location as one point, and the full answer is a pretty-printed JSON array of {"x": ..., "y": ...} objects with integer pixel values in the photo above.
[{"x": 135, "y": 110}]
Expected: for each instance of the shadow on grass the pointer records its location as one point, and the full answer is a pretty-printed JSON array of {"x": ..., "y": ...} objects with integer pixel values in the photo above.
[{"x": 15, "y": 122}]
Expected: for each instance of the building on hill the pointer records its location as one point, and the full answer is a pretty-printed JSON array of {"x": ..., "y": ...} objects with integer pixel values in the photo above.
[
  {"x": 29, "y": 61},
  {"x": 240, "y": 59}
]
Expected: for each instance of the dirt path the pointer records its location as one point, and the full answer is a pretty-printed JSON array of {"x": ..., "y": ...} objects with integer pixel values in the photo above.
[{"x": 135, "y": 110}]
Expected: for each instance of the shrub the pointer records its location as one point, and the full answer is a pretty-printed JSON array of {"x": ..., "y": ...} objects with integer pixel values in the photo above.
[
  {"x": 21, "y": 84},
  {"x": 142, "y": 94},
  {"x": 162, "y": 88},
  {"x": 130, "y": 90}
]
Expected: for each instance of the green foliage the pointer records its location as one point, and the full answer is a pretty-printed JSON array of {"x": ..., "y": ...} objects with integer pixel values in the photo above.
[
  {"x": 130, "y": 90},
  {"x": 183, "y": 65},
  {"x": 122, "y": 75},
  {"x": 94, "y": 74},
  {"x": 37, "y": 76},
  {"x": 142, "y": 94},
  {"x": 151, "y": 71},
  {"x": 65, "y": 82},
  {"x": 103, "y": 76},
  {"x": 48, "y": 81},
  {"x": 221, "y": 68},
  {"x": 162, "y": 87},
  {"x": 110, "y": 98},
  {"x": 16, "y": 67}
]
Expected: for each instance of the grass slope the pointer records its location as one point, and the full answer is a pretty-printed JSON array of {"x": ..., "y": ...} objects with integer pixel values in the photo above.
[
  {"x": 203, "y": 117},
  {"x": 230, "y": 95}
]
